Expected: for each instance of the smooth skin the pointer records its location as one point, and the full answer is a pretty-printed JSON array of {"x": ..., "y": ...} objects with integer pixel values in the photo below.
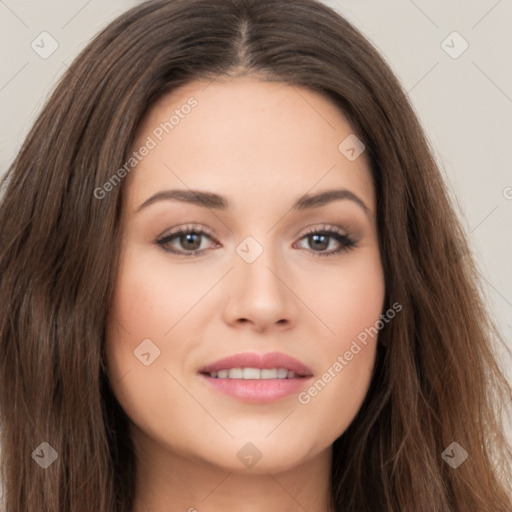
[{"x": 261, "y": 145}]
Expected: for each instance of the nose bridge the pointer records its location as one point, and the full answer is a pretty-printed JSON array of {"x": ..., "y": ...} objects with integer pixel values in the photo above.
[
  {"x": 258, "y": 292},
  {"x": 258, "y": 261}
]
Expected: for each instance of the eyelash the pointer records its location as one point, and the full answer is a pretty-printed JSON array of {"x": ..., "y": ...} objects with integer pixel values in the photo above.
[{"x": 347, "y": 242}]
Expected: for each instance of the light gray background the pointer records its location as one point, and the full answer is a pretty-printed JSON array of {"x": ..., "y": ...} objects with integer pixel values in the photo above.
[{"x": 464, "y": 103}]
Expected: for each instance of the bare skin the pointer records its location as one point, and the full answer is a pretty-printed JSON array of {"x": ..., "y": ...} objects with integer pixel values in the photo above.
[{"x": 261, "y": 145}]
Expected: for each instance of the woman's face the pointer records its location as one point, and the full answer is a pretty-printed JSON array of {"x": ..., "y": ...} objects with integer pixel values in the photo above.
[{"x": 247, "y": 277}]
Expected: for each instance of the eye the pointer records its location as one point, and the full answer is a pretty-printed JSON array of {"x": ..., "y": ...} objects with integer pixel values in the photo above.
[
  {"x": 321, "y": 238},
  {"x": 190, "y": 238}
]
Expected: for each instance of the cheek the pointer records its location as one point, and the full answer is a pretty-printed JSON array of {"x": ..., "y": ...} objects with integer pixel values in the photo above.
[
  {"x": 145, "y": 308},
  {"x": 153, "y": 300},
  {"x": 149, "y": 300},
  {"x": 347, "y": 299},
  {"x": 350, "y": 307},
  {"x": 152, "y": 313}
]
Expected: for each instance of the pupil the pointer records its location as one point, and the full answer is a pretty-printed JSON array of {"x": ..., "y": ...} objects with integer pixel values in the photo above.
[
  {"x": 323, "y": 245},
  {"x": 189, "y": 239}
]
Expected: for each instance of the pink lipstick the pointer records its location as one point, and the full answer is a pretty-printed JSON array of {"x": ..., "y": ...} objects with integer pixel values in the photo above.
[{"x": 257, "y": 378}]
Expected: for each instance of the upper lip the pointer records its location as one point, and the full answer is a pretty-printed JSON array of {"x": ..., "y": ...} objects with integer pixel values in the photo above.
[{"x": 262, "y": 361}]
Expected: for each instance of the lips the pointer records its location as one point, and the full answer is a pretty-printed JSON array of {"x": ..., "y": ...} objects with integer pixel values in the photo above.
[
  {"x": 270, "y": 360},
  {"x": 242, "y": 386}
]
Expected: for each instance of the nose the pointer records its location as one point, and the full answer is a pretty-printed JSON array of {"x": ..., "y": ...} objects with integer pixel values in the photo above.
[{"x": 260, "y": 294}]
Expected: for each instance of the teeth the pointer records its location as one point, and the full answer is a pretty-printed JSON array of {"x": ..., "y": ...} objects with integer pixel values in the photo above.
[
  {"x": 235, "y": 373},
  {"x": 269, "y": 374},
  {"x": 282, "y": 373},
  {"x": 253, "y": 373}
]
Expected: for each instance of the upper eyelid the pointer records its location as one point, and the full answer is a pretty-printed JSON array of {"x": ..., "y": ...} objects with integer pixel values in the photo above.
[
  {"x": 203, "y": 231},
  {"x": 346, "y": 240},
  {"x": 206, "y": 231}
]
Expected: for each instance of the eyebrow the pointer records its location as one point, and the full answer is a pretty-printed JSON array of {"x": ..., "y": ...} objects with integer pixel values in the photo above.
[{"x": 218, "y": 202}]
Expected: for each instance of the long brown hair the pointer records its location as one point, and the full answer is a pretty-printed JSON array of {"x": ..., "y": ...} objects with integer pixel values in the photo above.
[{"x": 436, "y": 379}]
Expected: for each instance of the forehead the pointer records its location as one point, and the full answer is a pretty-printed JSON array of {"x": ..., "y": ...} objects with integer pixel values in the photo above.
[{"x": 245, "y": 138}]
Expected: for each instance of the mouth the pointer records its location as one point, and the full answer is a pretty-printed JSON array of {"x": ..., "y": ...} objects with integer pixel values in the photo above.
[
  {"x": 257, "y": 378},
  {"x": 253, "y": 373}
]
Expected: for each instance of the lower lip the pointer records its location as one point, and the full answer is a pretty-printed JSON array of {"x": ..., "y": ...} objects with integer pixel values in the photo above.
[{"x": 258, "y": 390}]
